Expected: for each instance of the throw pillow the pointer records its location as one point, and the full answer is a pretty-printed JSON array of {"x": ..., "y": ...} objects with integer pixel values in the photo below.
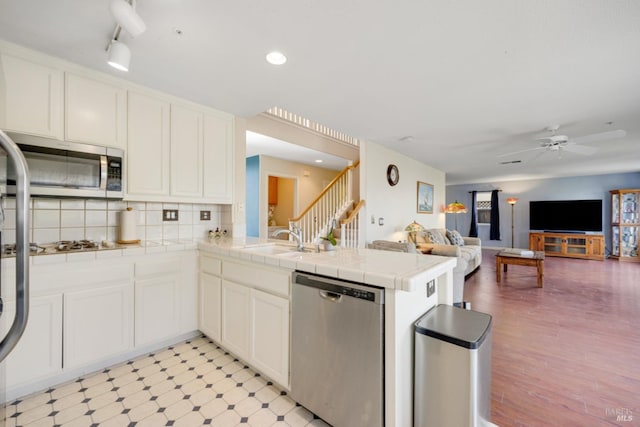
[
  {"x": 455, "y": 237},
  {"x": 434, "y": 237}
]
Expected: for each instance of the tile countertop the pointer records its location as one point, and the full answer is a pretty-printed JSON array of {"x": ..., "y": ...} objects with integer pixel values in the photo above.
[{"x": 393, "y": 270}]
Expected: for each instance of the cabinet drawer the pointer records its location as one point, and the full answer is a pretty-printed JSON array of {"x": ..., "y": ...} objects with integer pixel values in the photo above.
[
  {"x": 210, "y": 265},
  {"x": 268, "y": 279},
  {"x": 157, "y": 268}
]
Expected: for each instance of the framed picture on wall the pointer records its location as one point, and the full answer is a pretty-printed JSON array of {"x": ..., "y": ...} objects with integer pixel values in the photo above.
[{"x": 425, "y": 197}]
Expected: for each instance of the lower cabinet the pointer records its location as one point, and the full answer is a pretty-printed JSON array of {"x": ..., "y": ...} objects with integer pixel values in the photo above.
[
  {"x": 98, "y": 323},
  {"x": 235, "y": 318},
  {"x": 252, "y": 324},
  {"x": 209, "y": 307},
  {"x": 38, "y": 354},
  {"x": 269, "y": 335},
  {"x": 156, "y": 301}
]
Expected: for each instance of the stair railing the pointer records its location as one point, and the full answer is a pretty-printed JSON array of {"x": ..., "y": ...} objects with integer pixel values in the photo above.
[
  {"x": 350, "y": 228},
  {"x": 328, "y": 205}
]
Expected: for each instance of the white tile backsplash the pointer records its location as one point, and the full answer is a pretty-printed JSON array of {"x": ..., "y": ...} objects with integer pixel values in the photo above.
[{"x": 75, "y": 219}]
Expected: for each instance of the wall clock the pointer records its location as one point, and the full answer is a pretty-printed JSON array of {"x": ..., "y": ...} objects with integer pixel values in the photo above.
[{"x": 392, "y": 175}]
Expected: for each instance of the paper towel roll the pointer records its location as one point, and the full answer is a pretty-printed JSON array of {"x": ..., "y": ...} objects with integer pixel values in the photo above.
[{"x": 128, "y": 227}]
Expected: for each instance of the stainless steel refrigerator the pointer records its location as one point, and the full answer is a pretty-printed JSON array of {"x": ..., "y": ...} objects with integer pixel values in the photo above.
[{"x": 11, "y": 329}]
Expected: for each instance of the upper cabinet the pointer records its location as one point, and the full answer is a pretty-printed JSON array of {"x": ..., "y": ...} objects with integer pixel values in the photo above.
[
  {"x": 218, "y": 158},
  {"x": 30, "y": 97},
  {"x": 186, "y": 152},
  {"x": 96, "y": 112},
  {"x": 175, "y": 150},
  {"x": 148, "y": 151}
]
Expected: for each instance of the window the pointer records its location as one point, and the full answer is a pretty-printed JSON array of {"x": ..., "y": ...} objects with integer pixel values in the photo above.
[{"x": 483, "y": 207}]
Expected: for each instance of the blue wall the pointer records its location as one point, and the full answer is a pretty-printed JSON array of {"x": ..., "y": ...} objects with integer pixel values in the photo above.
[
  {"x": 582, "y": 187},
  {"x": 253, "y": 196}
]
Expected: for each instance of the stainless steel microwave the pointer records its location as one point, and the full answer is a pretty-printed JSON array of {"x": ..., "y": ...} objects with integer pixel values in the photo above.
[{"x": 69, "y": 169}]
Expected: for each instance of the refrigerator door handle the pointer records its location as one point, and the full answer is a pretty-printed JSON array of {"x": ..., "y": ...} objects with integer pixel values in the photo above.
[{"x": 22, "y": 245}]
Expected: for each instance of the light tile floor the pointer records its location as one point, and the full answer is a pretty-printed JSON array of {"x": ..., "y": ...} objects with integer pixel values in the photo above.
[{"x": 194, "y": 383}]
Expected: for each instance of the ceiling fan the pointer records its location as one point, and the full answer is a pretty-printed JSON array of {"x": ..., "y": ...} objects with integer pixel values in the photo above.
[{"x": 559, "y": 143}]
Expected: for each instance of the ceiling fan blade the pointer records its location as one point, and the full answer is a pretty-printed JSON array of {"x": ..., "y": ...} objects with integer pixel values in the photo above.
[
  {"x": 521, "y": 151},
  {"x": 579, "y": 149},
  {"x": 602, "y": 136}
]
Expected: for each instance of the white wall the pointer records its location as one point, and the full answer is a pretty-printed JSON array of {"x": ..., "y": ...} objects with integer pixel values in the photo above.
[{"x": 398, "y": 204}]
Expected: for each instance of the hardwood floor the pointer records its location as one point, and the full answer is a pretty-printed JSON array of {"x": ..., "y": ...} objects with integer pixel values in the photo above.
[{"x": 567, "y": 354}]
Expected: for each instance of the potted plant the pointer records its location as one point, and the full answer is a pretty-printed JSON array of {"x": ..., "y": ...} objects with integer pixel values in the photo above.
[{"x": 329, "y": 241}]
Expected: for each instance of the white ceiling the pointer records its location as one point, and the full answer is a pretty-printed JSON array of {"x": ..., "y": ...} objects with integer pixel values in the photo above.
[
  {"x": 262, "y": 144},
  {"x": 468, "y": 80}
]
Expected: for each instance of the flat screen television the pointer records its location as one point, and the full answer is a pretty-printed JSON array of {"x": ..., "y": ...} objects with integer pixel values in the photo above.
[{"x": 566, "y": 215}]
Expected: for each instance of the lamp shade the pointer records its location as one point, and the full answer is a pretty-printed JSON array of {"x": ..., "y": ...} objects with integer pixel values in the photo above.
[
  {"x": 455, "y": 207},
  {"x": 512, "y": 200},
  {"x": 127, "y": 17},
  {"x": 119, "y": 56},
  {"x": 414, "y": 227}
]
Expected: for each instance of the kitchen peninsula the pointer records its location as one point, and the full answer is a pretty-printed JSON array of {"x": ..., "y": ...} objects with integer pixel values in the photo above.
[{"x": 245, "y": 301}]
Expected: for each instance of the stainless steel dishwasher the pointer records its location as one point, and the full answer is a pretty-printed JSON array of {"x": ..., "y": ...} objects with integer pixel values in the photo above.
[{"x": 337, "y": 350}]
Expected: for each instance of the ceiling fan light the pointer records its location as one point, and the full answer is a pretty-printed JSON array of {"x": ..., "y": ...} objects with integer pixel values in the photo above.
[
  {"x": 119, "y": 56},
  {"x": 127, "y": 17}
]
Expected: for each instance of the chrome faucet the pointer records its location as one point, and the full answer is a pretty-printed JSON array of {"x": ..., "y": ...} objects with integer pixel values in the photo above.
[{"x": 296, "y": 233}]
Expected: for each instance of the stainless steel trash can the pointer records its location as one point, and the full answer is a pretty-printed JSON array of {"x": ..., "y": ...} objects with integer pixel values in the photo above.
[{"x": 452, "y": 369}]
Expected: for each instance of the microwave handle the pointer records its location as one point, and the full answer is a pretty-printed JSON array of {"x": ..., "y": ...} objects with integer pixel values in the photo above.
[
  {"x": 22, "y": 245},
  {"x": 103, "y": 172}
]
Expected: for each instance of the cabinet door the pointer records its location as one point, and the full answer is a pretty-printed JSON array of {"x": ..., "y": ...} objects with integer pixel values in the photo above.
[
  {"x": 95, "y": 112},
  {"x": 218, "y": 158},
  {"x": 596, "y": 246},
  {"x": 186, "y": 152},
  {"x": 235, "y": 318},
  {"x": 98, "y": 323},
  {"x": 38, "y": 354},
  {"x": 30, "y": 97},
  {"x": 148, "y": 147},
  {"x": 156, "y": 309},
  {"x": 209, "y": 312},
  {"x": 270, "y": 335}
]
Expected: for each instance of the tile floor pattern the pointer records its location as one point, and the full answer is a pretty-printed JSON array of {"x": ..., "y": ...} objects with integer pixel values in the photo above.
[{"x": 194, "y": 383}]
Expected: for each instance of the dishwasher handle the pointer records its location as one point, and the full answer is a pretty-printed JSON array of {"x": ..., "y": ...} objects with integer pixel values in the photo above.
[
  {"x": 331, "y": 296},
  {"x": 334, "y": 288}
]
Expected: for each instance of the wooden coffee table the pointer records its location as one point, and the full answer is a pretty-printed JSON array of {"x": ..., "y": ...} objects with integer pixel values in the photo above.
[{"x": 503, "y": 258}]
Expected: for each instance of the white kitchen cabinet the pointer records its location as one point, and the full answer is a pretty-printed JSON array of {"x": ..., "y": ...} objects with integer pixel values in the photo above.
[
  {"x": 269, "y": 335},
  {"x": 236, "y": 320},
  {"x": 148, "y": 150},
  {"x": 209, "y": 308},
  {"x": 38, "y": 354},
  {"x": 30, "y": 97},
  {"x": 218, "y": 158},
  {"x": 186, "y": 152},
  {"x": 98, "y": 323},
  {"x": 156, "y": 309},
  {"x": 95, "y": 112}
]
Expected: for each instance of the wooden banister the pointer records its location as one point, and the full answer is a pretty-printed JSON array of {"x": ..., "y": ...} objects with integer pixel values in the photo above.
[
  {"x": 326, "y": 189},
  {"x": 353, "y": 214}
]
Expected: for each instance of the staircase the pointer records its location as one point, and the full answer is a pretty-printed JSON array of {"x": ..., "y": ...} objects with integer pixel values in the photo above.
[{"x": 333, "y": 208}]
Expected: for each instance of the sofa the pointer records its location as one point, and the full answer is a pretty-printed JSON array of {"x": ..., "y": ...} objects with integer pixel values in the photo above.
[{"x": 468, "y": 252}]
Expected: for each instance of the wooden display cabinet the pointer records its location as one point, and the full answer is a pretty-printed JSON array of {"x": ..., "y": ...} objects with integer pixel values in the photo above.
[
  {"x": 625, "y": 224},
  {"x": 570, "y": 245}
]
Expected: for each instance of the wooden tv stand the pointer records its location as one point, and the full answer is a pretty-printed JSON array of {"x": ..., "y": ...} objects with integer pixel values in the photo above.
[{"x": 571, "y": 245}]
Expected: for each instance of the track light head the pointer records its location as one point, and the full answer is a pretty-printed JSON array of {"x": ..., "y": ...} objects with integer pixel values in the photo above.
[
  {"x": 126, "y": 16},
  {"x": 119, "y": 55}
]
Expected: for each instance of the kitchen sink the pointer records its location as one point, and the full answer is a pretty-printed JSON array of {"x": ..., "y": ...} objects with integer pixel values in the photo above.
[{"x": 283, "y": 250}]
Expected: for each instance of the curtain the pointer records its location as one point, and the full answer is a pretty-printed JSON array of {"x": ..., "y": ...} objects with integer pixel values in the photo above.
[
  {"x": 473, "y": 229},
  {"x": 494, "y": 229}
]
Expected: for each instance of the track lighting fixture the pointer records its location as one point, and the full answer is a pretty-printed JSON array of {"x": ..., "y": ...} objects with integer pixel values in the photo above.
[
  {"x": 119, "y": 55},
  {"x": 126, "y": 17}
]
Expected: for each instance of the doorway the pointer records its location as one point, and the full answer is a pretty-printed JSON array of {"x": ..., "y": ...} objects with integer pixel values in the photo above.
[{"x": 281, "y": 204}]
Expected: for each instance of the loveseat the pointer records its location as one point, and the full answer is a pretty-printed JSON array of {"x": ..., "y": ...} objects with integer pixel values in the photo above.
[{"x": 468, "y": 251}]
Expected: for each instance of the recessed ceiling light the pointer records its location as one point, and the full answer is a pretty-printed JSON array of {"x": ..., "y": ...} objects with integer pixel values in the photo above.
[
  {"x": 318, "y": 161},
  {"x": 276, "y": 58},
  {"x": 408, "y": 138}
]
